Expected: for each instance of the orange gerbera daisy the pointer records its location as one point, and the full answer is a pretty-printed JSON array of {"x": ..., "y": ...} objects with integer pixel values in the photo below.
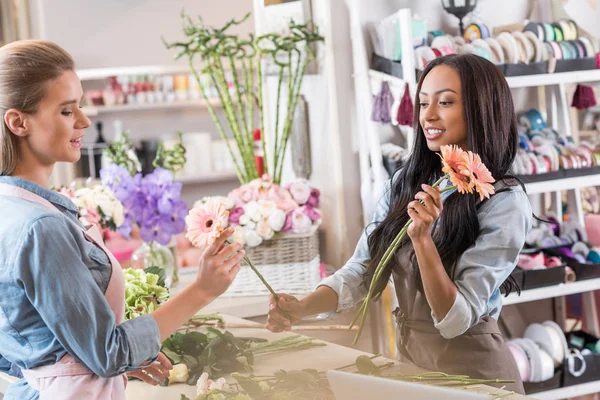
[
  {"x": 206, "y": 222},
  {"x": 453, "y": 164},
  {"x": 481, "y": 177}
]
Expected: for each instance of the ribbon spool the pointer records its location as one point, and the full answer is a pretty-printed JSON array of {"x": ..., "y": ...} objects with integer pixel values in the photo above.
[
  {"x": 575, "y": 354},
  {"x": 472, "y": 32},
  {"x": 497, "y": 52},
  {"x": 510, "y": 47},
  {"x": 526, "y": 48},
  {"x": 521, "y": 360}
]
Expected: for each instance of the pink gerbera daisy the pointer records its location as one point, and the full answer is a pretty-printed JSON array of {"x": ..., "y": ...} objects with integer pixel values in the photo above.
[
  {"x": 453, "y": 164},
  {"x": 480, "y": 177},
  {"x": 206, "y": 222}
]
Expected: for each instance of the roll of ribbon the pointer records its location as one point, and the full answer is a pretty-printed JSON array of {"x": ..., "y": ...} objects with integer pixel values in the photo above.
[
  {"x": 589, "y": 48},
  {"x": 536, "y": 29},
  {"x": 526, "y": 49},
  {"x": 570, "y": 276},
  {"x": 472, "y": 32},
  {"x": 558, "y": 33},
  {"x": 574, "y": 28},
  {"x": 576, "y": 363},
  {"x": 593, "y": 257},
  {"x": 560, "y": 334},
  {"x": 540, "y": 335},
  {"x": 552, "y": 262},
  {"x": 537, "y": 45},
  {"x": 558, "y": 351},
  {"x": 521, "y": 360},
  {"x": 510, "y": 47},
  {"x": 497, "y": 51},
  {"x": 485, "y": 31},
  {"x": 549, "y": 32},
  {"x": 442, "y": 41},
  {"x": 558, "y": 54},
  {"x": 533, "y": 119}
]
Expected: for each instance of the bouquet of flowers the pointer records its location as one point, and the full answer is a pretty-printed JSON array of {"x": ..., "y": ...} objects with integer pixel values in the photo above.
[
  {"x": 260, "y": 209},
  {"x": 97, "y": 206},
  {"x": 152, "y": 202}
]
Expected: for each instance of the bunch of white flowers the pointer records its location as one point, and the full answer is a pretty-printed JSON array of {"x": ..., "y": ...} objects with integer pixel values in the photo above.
[{"x": 97, "y": 205}]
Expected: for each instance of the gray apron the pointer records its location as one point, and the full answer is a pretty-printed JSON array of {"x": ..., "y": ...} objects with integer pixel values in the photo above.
[{"x": 479, "y": 353}]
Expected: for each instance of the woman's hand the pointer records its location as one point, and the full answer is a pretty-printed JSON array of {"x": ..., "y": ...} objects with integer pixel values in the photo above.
[
  {"x": 424, "y": 211},
  {"x": 276, "y": 321},
  {"x": 154, "y": 373},
  {"x": 219, "y": 265}
]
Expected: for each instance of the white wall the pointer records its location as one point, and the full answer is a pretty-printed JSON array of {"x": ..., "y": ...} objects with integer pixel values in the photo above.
[{"x": 110, "y": 33}]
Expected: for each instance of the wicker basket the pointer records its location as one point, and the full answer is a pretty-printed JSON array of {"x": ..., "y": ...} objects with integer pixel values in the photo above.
[
  {"x": 286, "y": 248},
  {"x": 299, "y": 278}
]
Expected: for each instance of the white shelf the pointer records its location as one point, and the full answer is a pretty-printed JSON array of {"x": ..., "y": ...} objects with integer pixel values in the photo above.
[
  {"x": 513, "y": 81},
  {"x": 103, "y": 73},
  {"x": 212, "y": 177},
  {"x": 92, "y": 111},
  {"x": 556, "y": 185},
  {"x": 568, "y": 392},
  {"x": 562, "y": 289},
  {"x": 554, "y": 79}
]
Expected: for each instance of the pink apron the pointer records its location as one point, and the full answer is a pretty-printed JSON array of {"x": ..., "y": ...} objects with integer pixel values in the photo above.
[{"x": 69, "y": 379}]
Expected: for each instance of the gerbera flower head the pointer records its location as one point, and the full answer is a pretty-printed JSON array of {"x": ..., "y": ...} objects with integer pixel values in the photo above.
[
  {"x": 453, "y": 164},
  {"x": 481, "y": 178},
  {"x": 206, "y": 222}
]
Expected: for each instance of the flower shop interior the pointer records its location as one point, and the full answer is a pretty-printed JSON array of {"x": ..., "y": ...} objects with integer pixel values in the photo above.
[{"x": 292, "y": 133}]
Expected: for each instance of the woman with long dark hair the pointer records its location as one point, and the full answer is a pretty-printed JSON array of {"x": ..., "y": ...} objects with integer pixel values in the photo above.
[{"x": 450, "y": 268}]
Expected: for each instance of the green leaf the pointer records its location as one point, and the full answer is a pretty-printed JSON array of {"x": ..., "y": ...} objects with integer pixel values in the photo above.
[
  {"x": 174, "y": 357},
  {"x": 190, "y": 361},
  {"x": 162, "y": 275}
]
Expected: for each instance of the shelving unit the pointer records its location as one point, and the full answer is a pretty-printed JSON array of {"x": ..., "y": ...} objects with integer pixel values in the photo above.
[
  {"x": 212, "y": 177},
  {"x": 103, "y": 73},
  {"x": 551, "y": 87},
  {"x": 92, "y": 111},
  {"x": 564, "y": 289}
]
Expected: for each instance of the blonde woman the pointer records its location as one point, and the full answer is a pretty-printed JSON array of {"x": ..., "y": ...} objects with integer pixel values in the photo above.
[{"x": 61, "y": 291}]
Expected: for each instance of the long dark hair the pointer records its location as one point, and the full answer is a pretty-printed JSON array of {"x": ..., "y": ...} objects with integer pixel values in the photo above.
[{"x": 491, "y": 132}]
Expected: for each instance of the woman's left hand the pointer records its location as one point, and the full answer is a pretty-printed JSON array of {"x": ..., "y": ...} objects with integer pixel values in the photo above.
[
  {"x": 154, "y": 373},
  {"x": 424, "y": 212}
]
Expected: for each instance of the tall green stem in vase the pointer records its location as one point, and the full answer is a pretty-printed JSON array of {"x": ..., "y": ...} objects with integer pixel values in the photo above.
[{"x": 220, "y": 55}]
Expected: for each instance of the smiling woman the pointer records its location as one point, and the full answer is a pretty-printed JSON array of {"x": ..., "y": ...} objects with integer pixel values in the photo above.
[{"x": 62, "y": 323}]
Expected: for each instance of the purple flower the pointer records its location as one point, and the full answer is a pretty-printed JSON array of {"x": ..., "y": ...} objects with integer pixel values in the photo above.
[
  {"x": 235, "y": 214},
  {"x": 287, "y": 226},
  {"x": 118, "y": 180},
  {"x": 127, "y": 225},
  {"x": 160, "y": 177},
  {"x": 311, "y": 213},
  {"x": 169, "y": 197},
  {"x": 313, "y": 199},
  {"x": 178, "y": 214},
  {"x": 159, "y": 232}
]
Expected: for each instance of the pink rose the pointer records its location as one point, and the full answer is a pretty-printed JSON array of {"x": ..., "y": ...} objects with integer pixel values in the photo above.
[
  {"x": 287, "y": 205},
  {"x": 287, "y": 226},
  {"x": 300, "y": 222},
  {"x": 300, "y": 191},
  {"x": 313, "y": 199},
  {"x": 260, "y": 193},
  {"x": 235, "y": 197},
  {"x": 234, "y": 215},
  {"x": 311, "y": 212},
  {"x": 247, "y": 194}
]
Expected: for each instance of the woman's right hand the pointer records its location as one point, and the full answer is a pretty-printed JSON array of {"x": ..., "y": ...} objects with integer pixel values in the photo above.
[
  {"x": 277, "y": 320},
  {"x": 219, "y": 265}
]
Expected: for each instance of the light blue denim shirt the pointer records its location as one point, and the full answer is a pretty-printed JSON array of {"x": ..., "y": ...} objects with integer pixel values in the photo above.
[
  {"x": 504, "y": 221},
  {"x": 52, "y": 285}
]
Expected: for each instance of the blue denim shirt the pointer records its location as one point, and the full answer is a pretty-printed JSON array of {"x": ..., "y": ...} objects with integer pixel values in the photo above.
[
  {"x": 504, "y": 221},
  {"x": 52, "y": 285}
]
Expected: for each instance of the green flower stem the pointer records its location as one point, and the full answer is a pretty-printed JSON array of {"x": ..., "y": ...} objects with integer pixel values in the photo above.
[
  {"x": 221, "y": 85},
  {"x": 363, "y": 311},
  {"x": 354, "y": 363},
  {"x": 241, "y": 104},
  {"x": 250, "y": 94},
  {"x": 290, "y": 117},
  {"x": 213, "y": 114},
  {"x": 276, "y": 155}
]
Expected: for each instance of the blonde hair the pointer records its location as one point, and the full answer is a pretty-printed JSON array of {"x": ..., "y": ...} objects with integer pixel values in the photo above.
[{"x": 26, "y": 66}]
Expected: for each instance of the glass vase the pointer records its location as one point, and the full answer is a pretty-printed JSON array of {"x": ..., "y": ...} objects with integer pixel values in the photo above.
[{"x": 152, "y": 254}]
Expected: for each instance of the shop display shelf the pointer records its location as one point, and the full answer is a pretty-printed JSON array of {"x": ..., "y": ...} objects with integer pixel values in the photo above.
[
  {"x": 513, "y": 81},
  {"x": 209, "y": 178},
  {"x": 569, "y": 391},
  {"x": 548, "y": 292},
  {"x": 92, "y": 111},
  {"x": 566, "y": 183},
  {"x": 103, "y": 73}
]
